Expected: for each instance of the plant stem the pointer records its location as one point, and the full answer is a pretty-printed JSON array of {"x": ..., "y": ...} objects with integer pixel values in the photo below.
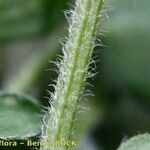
[{"x": 73, "y": 69}]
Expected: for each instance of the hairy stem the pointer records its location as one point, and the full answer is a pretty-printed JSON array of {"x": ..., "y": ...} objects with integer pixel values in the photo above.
[{"x": 73, "y": 69}]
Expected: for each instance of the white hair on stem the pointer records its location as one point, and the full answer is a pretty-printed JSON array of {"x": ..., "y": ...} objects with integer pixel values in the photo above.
[{"x": 65, "y": 102}]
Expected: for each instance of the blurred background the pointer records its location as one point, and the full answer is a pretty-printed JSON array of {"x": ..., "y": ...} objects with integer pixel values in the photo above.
[{"x": 30, "y": 35}]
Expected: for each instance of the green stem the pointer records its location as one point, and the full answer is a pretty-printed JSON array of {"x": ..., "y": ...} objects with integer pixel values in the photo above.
[
  {"x": 73, "y": 72},
  {"x": 83, "y": 76},
  {"x": 75, "y": 67}
]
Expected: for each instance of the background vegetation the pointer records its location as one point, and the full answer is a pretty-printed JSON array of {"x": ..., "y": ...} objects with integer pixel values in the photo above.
[{"x": 30, "y": 31}]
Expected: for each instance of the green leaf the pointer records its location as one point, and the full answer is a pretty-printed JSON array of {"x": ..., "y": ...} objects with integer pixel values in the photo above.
[
  {"x": 140, "y": 142},
  {"x": 19, "y": 116}
]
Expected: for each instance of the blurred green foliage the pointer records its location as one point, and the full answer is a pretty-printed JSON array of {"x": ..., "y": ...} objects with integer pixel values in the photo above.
[
  {"x": 122, "y": 88},
  {"x": 16, "y": 106},
  {"x": 28, "y": 18},
  {"x": 19, "y": 121}
]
